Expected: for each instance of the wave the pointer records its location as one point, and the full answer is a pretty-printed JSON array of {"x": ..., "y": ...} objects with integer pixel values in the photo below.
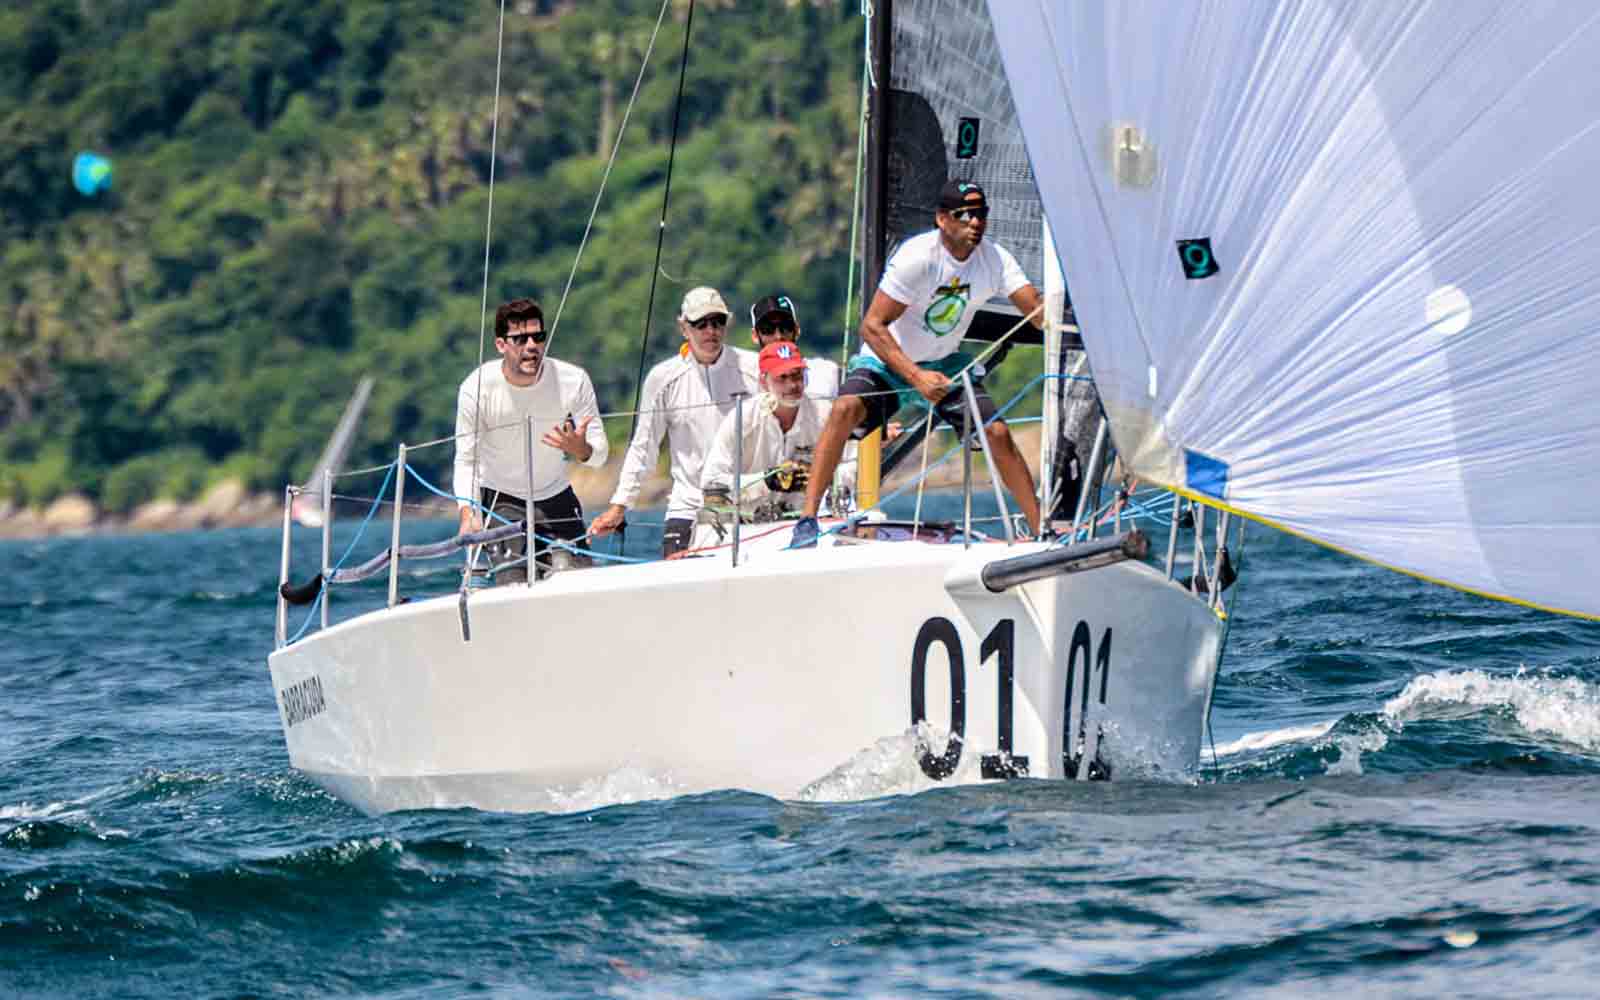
[
  {"x": 1563, "y": 708},
  {"x": 1459, "y": 717},
  {"x": 1251, "y": 742}
]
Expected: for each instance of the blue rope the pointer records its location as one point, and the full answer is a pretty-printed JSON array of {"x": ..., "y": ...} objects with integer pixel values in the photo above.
[
  {"x": 377, "y": 501},
  {"x": 562, "y": 543},
  {"x": 311, "y": 614},
  {"x": 555, "y": 542},
  {"x": 436, "y": 491},
  {"x": 1000, "y": 412}
]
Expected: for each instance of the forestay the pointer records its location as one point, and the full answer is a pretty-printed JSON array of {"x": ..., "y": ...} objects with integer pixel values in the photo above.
[{"x": 1337, "y": 265}]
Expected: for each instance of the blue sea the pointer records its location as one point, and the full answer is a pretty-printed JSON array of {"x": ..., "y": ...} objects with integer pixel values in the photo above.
[{"x": 1400, "y": 797}]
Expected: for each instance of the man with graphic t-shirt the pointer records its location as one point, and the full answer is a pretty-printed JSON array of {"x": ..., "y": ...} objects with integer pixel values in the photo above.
[{"x": 910, "y": 338}]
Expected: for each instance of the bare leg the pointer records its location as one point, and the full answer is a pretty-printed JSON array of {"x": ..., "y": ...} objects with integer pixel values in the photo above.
[
  {"x": 1013, "y": 471},
  {"x": 848, "y": 411}
]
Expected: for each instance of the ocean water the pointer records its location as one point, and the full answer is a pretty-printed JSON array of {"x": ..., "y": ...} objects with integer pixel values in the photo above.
[{"x": 1404, "y": 800}]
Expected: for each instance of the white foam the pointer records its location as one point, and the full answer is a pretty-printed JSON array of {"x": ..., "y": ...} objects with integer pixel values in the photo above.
[
  {"x": 1351, "y": 746},
  {"x": 1276, "y": 737},
  {"x": 889, "y": 767},
  {"x": 27, "y": 811},
  {"x": 1562, "y": 707},
  {"x": 620, "y": 787}
]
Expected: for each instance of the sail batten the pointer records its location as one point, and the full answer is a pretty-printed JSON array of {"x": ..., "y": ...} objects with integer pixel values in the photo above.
[{"x": 1337, "y": 266}]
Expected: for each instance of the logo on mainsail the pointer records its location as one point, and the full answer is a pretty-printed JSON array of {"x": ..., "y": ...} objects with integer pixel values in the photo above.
[
  {"x": 967, "y": 139},
  {"x": 1197, "y": 259}
]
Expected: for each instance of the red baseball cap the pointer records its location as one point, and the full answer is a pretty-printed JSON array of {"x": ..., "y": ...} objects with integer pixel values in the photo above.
[{"x": 781, "y": 356}]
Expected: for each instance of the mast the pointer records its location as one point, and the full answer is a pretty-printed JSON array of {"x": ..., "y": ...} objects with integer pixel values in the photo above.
[{"x": 881, "y": 25}]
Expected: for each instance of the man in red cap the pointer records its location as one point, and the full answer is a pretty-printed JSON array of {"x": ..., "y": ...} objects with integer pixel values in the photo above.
[{"x": 781, "y": 425}]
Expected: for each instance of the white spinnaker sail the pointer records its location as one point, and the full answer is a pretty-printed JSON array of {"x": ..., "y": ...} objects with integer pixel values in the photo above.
[{"x": 1397, "y": 355}]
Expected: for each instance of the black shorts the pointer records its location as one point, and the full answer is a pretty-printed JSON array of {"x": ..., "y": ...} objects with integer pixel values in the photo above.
[
  {"x": 560, "y": 517},
  {"x": 676, "y": 536},
  {"x": 882, "y": 401}
]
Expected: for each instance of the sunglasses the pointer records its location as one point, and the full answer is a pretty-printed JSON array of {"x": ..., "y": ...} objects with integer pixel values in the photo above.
[
  {"x": 519, "y": 339},
  {"x": 707, "y": 322},
  {"x": 964, "y": 214},
  {"x": 782, "y": 324}
]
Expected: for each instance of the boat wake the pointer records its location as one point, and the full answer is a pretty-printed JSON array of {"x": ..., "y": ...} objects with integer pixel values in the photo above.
[
  {"x": 623, "y": 786},
  {"x": 889, "y": 767}
]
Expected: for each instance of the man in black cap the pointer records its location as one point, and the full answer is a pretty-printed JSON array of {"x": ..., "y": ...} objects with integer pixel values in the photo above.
[
  {"x": 775, "y": 318},
  {"x": 910, "y": 337}
]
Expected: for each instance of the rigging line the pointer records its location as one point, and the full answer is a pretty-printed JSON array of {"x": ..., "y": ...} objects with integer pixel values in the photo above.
[
  {"x": 1099, "y": 202},
  {"x": 855, "y": 198},
  {"x": 661, "y": 229},
  {"x": 488, "y": 238},
  {"x": 622, "y": 128},
  {"x": 984, "y": 354}
]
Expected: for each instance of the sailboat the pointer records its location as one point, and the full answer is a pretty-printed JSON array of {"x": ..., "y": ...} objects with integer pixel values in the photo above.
[
  {"x": 982, "y": 658},
  {"x": 307, "y": 504}
]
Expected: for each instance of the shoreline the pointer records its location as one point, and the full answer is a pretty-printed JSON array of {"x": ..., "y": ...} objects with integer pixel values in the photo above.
[{"x": 229, "y": 504}]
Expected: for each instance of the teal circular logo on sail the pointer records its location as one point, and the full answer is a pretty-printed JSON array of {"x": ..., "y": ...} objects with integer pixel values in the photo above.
[{"x": 944, "y": 314}]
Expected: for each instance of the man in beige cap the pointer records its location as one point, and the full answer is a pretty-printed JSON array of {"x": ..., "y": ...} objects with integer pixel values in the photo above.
[{"x": 684, "y": 397}]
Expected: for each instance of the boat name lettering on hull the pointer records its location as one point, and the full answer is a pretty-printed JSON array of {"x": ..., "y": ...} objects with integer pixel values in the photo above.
[{"x": 302, "y": 700}]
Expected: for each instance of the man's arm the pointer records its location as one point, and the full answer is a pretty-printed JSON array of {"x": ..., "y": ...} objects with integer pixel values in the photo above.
[
  {"x": 718, "y": 474},
  {"x": 587, "y": 408},
  {"x": 875, "y": 334},
  {"x": 585, "y": 438},
  {"x": 1027, "y": 299},
  {"x": 640, "y": 457}
]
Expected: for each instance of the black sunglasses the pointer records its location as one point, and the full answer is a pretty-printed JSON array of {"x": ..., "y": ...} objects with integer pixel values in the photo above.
[
  {"x": 705, "y": 322},
  {"x": 782, "y": 324},
  {"x": 963, "y": 214},
  {"x": 519, "y": 339}
]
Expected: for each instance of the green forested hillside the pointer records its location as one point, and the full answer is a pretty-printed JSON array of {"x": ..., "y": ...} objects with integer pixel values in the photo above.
[{"x": 300, "y": 197}]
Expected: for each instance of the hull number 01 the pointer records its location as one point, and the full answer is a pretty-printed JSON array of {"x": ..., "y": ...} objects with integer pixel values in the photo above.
[{"x": 1001, "y": 644}]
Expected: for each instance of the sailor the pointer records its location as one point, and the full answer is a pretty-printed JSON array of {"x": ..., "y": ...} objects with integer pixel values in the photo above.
[
  {"x": 775, "y": 318},
  {"x": 910, "y": 335},
  {"x": 780, "y": 426},
  {"x": 684, "y": 398},
  {"x": 492, "y": 407}
]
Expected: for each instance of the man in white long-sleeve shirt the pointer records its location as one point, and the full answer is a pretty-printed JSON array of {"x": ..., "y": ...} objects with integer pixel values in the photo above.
[
  {"x": 492, "y": 410},
  {"x": 684, "y": 398},
  {"x": 780, "y": 425}
]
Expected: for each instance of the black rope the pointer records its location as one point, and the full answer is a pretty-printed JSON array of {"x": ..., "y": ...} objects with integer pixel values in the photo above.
[
  {"x": 661, "y": 236},
  {"x": 661, "y": 232}
]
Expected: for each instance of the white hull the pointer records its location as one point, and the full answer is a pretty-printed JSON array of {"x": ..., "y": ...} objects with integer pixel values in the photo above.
[{"x": 763, "y": 677}]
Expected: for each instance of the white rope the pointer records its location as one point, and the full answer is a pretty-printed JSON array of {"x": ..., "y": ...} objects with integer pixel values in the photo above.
[
  {"x": 595, "y": 209},
  {"x": 922, "y": 476},
  {"x": 488, "y": 238}
]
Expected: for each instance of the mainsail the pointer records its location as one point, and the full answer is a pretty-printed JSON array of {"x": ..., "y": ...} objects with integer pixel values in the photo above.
[{"x": 1337, "y": 265}]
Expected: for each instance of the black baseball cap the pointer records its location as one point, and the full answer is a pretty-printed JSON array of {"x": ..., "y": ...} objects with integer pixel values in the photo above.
[
  {"x": 779, "y": 303},
  {"x": 961, "y": 194}
]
